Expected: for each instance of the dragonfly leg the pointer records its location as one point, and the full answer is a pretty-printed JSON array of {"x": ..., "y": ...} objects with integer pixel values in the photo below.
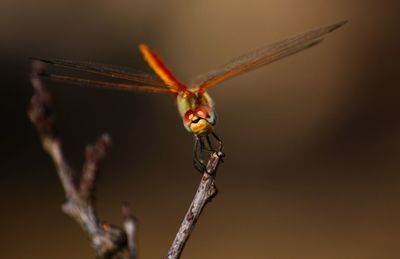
[
  {"x": 198, "y": 155},
  {"x": 209, "y": 145},
  {"x": 221, "y": 146},
  {"x": 202, "y": 144}
]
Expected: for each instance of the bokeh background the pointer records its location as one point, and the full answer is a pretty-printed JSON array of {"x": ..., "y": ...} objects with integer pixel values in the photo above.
[{"x": 312, "y": 141}]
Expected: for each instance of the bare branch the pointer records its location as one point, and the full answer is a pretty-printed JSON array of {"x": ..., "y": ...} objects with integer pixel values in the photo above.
[
  {"x": 205, "y": 192},
  {"x": 93, "y": 155},
  {"x": 108, "y": 240},
  {"x": 41, "y": 115}
]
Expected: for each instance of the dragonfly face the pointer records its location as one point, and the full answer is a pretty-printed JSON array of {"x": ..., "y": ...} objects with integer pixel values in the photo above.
[
  {"x": 200, "y": 121},
  {"x": 197, "y": 124},
  {"x": 194, "y": 104},
  {"x": 197, "y": 112}
]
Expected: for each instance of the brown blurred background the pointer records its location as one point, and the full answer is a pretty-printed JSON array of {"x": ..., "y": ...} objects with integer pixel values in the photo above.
[{"x": 312, "y": 142}]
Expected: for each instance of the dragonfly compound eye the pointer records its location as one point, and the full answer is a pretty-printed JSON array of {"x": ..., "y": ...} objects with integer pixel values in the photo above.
[
  {"x": 187, "y": 118},
  {"x": 202, "y": 112},
  {"x": 207, "y": 113}
]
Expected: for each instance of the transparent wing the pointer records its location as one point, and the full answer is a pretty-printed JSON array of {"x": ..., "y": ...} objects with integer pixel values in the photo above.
[
  {"x": 104, "y": 84},
  {"x": 105, "y": 70},
  {"x": 263, "y": 56}
]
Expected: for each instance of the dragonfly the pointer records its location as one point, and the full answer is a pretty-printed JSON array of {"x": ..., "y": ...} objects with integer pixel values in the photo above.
[{"x": 195, "y": 106}]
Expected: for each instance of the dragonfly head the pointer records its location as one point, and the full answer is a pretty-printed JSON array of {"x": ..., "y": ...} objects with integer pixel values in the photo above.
[{"x": 200, "y": 121}]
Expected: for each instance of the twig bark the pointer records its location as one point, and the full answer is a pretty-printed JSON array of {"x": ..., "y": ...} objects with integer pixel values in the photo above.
[
  {"x": 108, "y": 240},
  {"x": 205, "y": 192}
]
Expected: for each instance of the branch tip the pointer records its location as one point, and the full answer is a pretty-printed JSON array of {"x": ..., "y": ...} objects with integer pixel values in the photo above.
[{"x": 130, "y": 229}]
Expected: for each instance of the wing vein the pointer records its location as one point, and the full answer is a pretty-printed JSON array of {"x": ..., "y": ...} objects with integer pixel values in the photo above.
[
  {"x": 105, "y": 70},
  {"x": 107, "y": 85}
]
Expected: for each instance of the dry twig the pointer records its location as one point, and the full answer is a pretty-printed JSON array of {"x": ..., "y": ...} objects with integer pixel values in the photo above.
[
  {"x": 108, "y": 241},
  {"x": 205, "y": 192}
]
